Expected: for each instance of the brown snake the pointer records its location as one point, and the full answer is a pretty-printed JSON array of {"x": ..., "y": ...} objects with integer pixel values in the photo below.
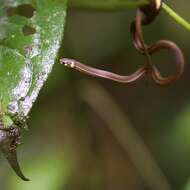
[
  {"x": 104, "y": 74},
  {"x": 144, "y": 16}
]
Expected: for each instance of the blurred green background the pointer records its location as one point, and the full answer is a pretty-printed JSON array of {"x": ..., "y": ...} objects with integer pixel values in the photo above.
[{"x": 72, "y": 145}]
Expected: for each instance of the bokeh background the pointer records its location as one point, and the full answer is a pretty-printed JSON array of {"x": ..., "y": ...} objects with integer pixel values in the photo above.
[{"x": 91, "y": 134}]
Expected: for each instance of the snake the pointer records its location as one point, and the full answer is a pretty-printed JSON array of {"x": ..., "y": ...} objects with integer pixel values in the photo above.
[{"x": 144, "y": 16}]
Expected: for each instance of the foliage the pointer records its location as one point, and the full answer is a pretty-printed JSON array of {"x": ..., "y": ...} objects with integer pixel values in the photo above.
[{"x": 30, "y": 38}]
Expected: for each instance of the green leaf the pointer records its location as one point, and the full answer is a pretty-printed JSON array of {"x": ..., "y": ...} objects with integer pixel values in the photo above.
[
  {"x": 30, "y": 37},
  {"x": 106, "y": 4}
]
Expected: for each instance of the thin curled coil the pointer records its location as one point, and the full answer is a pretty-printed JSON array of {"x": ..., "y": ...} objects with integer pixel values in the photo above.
[
  {"x": 155, "y": 47},
  {"x": 144, "y": 16},
  {"x": 151, "y": 10}
]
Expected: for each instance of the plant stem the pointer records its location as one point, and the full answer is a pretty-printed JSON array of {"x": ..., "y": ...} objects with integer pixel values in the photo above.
[
  {"x": 110, "y": 5},
  {"x": 119, "y": 5},
  {"x": 176, "y": 17}
]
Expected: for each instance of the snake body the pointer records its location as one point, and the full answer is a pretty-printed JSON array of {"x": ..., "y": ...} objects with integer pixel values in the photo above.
[{"x": 104, "y": 74}]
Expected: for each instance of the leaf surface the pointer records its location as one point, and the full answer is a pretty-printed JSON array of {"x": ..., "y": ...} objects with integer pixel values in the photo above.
[{"x": 31, "y": 32}]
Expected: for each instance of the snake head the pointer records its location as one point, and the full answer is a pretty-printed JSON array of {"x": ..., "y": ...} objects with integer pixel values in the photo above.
[
  {"x": 9, "y": 140},
  {"x": 68, "y": 62}
]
